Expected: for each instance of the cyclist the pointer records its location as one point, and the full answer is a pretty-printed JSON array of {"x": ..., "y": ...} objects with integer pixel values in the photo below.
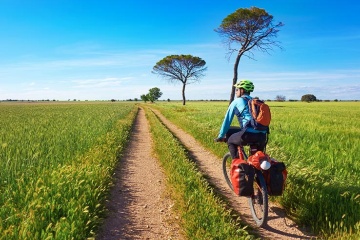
[{"x": 239, "y": 107}]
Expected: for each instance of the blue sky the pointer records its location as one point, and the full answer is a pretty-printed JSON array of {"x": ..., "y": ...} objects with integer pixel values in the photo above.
[{"x": 101, "y": 50}]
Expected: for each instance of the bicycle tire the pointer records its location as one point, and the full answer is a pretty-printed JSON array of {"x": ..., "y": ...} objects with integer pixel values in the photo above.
[
  {"x": 259, "y": 201},
  {"x": 226, "y": 163}
]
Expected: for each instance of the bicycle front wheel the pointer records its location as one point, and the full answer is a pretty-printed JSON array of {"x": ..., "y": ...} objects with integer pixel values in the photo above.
[
  {"x": 226, "y": 165},
  {"x": 259, "y": 201}
]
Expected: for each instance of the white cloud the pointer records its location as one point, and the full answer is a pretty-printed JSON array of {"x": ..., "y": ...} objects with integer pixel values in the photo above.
[{"x": 100, "y": 83}]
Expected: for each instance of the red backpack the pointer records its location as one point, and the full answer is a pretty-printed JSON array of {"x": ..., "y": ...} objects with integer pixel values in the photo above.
[{"x": 260, "y": 113}]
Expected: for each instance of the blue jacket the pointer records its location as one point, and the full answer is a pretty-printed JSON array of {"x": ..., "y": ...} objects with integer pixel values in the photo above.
[{"x": 238, "y": 107}]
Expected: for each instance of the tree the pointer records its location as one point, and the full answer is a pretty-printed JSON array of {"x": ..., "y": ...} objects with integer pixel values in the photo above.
[
  {"x": 252, "y": 28},
  {"x": 184, "y": 68},
  {"x": 280, "y": 98},
  {"x": 154, "y": 94},
  {"x": 308, "y": 98},
  {"x": 144, "y": 98}
]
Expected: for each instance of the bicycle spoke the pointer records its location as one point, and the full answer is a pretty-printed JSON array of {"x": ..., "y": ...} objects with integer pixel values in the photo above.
[{"x": 259, "y": 201}]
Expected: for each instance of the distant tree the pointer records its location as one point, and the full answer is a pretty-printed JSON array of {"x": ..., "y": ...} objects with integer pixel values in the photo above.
[
  {"x": 113, "y": 100},
  {"x": 154, "y": 94},
  {"x": 184, "y": 68},
  {"x": 280, "y": 98},
  {"x": 308, "y": 98},
  {"x": 252, "y": 28},
  {"x": 144, "y": 98}
]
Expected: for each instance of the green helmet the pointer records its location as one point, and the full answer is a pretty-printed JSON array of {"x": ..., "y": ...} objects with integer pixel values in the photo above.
[{"x": 247, "y": 85}]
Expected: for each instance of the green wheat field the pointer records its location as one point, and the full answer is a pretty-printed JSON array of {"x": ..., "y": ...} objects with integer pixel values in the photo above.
[
  {"x": 56, "y": 166},
  {"x": 57, "y": 161}
]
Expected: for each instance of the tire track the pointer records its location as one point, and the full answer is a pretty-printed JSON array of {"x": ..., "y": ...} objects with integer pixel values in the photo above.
[{"x": 278, "y": 225}]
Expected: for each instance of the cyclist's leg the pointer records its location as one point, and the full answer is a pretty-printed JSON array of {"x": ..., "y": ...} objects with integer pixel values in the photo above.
[
  {"x": 262, "y": 140},
  {"x": 258, "y": 138},
  {"x": 233, "y": 142}
]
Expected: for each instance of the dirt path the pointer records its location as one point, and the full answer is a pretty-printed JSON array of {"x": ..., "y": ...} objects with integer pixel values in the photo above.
[
  {"x": 138, "y": 205},
  {"x": 279, "y": 227},
  {"x": 139, "y": 208}
]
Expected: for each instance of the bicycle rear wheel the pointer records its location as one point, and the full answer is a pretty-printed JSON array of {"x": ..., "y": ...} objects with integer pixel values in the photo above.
[
  {"x": 259, "y": 201},
  {"x": 226, "y": 165}
]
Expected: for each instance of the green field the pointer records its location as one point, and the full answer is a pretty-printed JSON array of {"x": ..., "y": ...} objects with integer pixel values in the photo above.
[
  {"x": 319, "y": 143},
  {"x": 56, "y": 163}
]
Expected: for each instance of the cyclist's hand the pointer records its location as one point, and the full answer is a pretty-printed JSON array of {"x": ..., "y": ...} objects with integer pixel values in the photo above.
[{"x": 220, "y": 139}]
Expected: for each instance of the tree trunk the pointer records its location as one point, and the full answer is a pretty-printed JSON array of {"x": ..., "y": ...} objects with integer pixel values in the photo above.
[
  {"x": 236, "y": 65},
  {"x": 183, "y": 93}
]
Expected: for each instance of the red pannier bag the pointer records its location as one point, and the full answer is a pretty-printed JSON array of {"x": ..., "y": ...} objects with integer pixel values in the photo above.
[
  {"x": 257, "y": 158},
  {"x": 275, "y": 178},
  {"x": 242, "y": 177}
]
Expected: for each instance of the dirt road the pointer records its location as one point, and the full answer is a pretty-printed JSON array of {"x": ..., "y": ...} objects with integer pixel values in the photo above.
[
  {"x": 138, "y": 205},
  {"x": 140, "y": 210}
]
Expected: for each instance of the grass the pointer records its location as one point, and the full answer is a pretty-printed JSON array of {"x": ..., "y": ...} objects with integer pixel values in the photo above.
[
  {"x": 319, "y": 144},
  {"x": 57, "y": 162}
]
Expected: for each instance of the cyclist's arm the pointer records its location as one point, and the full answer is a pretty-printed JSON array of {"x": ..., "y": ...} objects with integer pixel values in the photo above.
[{"x": 227, "y": 120}]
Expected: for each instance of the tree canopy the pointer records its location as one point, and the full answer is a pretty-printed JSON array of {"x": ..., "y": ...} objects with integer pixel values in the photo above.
[
  {"x": 308, "y": 98},
  {"x": 250, "y": 29},
  {"x": 181, "y": 68},
  {"x": 280, "y": 98},
  {"x": 153, "y": 95}
]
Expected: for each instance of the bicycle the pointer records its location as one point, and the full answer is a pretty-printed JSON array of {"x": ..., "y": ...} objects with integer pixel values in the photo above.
[{"x": 258, "y": 202}]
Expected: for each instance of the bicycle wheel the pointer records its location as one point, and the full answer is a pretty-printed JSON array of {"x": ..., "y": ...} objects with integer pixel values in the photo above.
[
  {"x": 226, "y": 165},
  {"x": 259, "y": 201}
]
